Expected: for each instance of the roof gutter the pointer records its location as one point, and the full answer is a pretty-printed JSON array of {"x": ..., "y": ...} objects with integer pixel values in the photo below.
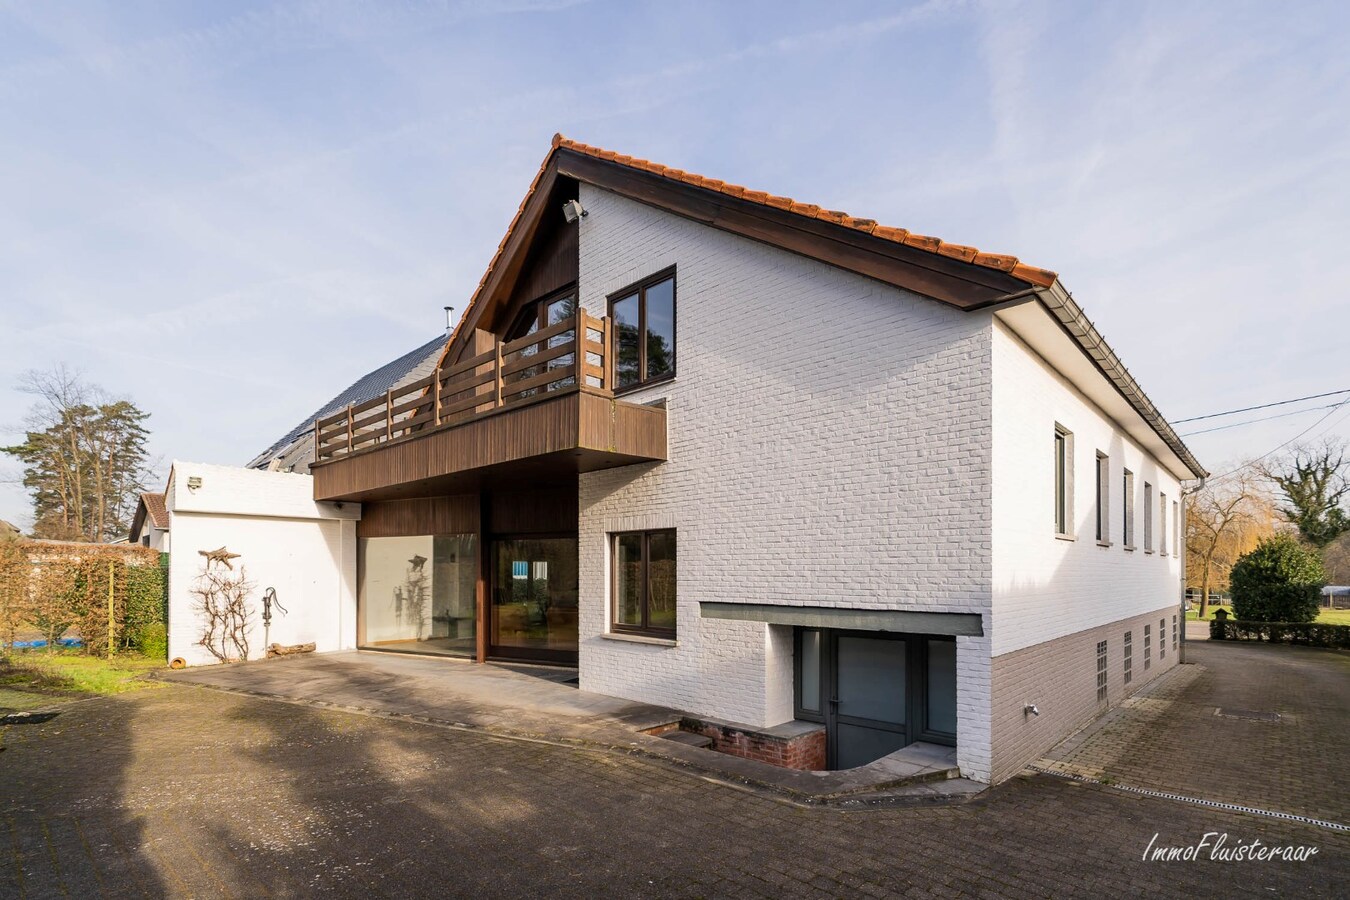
[{"x": 1060, "y": 303}]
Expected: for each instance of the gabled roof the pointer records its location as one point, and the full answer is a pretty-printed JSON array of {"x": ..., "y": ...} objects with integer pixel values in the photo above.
[
  {"x": 407, "y": 367},
  {"x": 1001, "y": 262},
  {"x": 955, "y": 274},
  {"x": 151, "y": 511}
]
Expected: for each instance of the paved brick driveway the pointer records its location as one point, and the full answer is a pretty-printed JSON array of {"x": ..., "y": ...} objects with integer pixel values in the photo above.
[
  {"x": 188, "y": 791},
  {"x": 1204, "y": 731}
]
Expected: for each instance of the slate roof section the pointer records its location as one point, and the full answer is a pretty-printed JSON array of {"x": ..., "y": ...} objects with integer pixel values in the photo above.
[{"x": 408, "y": 367}]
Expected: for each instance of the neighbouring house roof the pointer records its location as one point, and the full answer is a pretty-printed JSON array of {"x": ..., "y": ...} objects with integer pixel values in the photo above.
[
  {"x": 961, "y": 276},
  {"x": 408, "y": 367},
  {"x": 150, "y": 512},
  {"x": 7, "y": 528}
]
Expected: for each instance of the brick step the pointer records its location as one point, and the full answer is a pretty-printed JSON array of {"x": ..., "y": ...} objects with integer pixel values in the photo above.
[{"x": 688, "y": 738}]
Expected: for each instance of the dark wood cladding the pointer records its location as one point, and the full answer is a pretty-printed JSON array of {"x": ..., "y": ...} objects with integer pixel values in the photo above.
[
  {"x": 420, "y": 515},
  {"x": 552, "y": 266},
  {"x": 550, "y": 509},
  {"x": 577, "y": 431},
  {"x": 953, "y": 281},
  {"x": 541, "y": 212}
]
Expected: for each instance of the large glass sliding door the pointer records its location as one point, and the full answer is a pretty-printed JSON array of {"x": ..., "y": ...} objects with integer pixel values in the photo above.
[
  {"x": 417, "y": 594},
  {"x": 534, "y": 598}
]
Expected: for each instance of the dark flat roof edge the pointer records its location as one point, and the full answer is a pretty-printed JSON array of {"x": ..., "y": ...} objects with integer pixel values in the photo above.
[{"x": 894, "y": 620}]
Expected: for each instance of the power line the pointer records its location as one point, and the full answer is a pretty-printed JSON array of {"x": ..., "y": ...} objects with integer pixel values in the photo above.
[
  {"x": 1262, "y": 406},
  {"x": 1297, "y": 412},
  {"x": 1253, "y": 462}
]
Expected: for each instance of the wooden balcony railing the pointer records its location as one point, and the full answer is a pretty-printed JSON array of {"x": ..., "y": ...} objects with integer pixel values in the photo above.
[{"x": 557, "y": 359}]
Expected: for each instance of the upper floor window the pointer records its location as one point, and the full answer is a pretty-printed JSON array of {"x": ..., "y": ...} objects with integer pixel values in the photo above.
[
  {"x": 1103, "y": 498},
  {"x": 1162, "y": 524},
  {"x": 644, "y": 582},
  {"x": 1148, "y": 517},
  {"x": 534, "y": 317},
  {"x": 1176, "y": 529},
  {"x": 1128, "y": 504},
  {"x": 1063, "y": 480},
  {"x": 644, "y": 331}
]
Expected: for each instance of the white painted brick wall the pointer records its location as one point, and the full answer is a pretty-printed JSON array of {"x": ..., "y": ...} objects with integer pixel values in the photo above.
[
  {"x": 306, "y": 550},
  {"x": 829, "y": 445},
  {"x": 1045, "y": 588}
]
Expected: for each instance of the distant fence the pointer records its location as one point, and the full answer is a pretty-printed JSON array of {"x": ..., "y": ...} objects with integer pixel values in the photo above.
[{"x": 107, "y": 594}]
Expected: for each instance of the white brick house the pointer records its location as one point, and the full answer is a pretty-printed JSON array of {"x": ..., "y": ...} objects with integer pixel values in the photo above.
[{"x": 765, "y": 464}]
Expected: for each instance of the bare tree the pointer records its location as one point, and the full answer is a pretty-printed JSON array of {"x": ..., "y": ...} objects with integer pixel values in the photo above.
[
  {"x": 1314, "y": 479},
  {"x": 1224, "y": 519}
]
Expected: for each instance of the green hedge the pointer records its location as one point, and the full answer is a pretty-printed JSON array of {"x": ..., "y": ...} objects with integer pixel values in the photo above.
[{"x": 1312, "y": 634}]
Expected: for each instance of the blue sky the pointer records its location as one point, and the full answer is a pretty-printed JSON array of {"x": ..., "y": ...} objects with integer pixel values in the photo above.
[{"x": 229, "y": 211}]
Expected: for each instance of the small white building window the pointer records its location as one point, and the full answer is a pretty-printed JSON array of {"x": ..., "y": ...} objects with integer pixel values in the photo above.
[
  {"x": 1063, "y": 481},
  {"x": 1103, "y": 499},
  {"x": 1148, "y": 517},
  {"x": 1176, "y": 529},
  {"x": 1128, "y": 505},
  {"x": 1162, "y": 524}
]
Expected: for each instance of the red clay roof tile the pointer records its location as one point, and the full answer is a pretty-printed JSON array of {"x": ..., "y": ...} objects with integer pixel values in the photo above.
[
  {"x": 1009, "y": 264},
  {"x": 1001, "y": 262}
]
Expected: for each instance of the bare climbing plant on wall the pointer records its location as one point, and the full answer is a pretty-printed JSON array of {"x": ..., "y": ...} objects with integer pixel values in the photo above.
[{"x": 221, "y": 598}]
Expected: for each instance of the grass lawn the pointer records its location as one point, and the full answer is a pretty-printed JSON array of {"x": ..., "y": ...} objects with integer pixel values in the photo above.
[
  {"x": 1326, "y": 616},
  {"x": 29, "y": 679}
]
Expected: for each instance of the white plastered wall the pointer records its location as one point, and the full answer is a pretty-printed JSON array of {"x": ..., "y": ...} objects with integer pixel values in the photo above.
[
  {"x": 828, "y": 446},
  {"x": 1045, "y": 587},
  {"x": 285, "y": 540}
]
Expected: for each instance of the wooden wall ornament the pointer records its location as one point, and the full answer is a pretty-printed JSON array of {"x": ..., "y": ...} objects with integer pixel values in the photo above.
[{"x": 221, "y": 556}]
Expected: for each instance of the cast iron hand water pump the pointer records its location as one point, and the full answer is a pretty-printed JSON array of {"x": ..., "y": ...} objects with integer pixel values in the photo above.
[{"x": 270, "y": 600}]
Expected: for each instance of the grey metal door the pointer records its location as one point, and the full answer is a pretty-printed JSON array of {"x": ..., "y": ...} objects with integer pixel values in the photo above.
[{"x": 866, "y": 715}]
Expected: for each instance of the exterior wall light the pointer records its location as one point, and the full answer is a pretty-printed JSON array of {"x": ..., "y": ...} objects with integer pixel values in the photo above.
[
  {"x": 194, "y": 482},
  {"x": 1030, "y": 710},
  {"x": 573, "y": 210}
]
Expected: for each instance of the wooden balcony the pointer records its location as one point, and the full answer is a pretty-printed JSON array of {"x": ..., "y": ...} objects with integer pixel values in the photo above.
[{"x": 530, "y": 409}]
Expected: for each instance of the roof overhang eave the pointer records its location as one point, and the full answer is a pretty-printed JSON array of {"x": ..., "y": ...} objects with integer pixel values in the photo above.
[{"x": 1057, "y": 304}]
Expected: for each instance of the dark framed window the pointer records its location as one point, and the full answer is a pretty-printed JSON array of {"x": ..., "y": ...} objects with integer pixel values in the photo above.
[
  {"x": 1148, "y": 646},
  {"x": 537, "y": 315},
  {"x": 644, "y": 582},
  {"x": 1129, "y": 656},
  {"x": 643, "y": 317}
]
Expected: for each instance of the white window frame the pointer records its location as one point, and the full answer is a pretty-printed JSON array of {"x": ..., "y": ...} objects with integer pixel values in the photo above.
[
  {"x": 1128, "y": 490},
  {"x": 1148, "y": 517},
  {"x": 1063, "y": 499},
  {"x": 1103, "y": 499},
  {"x": 1162, "y": 523},
  {"x": 1176, "y": 528}
]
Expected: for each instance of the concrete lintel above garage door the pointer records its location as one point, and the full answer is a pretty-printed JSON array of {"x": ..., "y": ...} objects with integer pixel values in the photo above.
[{"x": 906, "y": 621}]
